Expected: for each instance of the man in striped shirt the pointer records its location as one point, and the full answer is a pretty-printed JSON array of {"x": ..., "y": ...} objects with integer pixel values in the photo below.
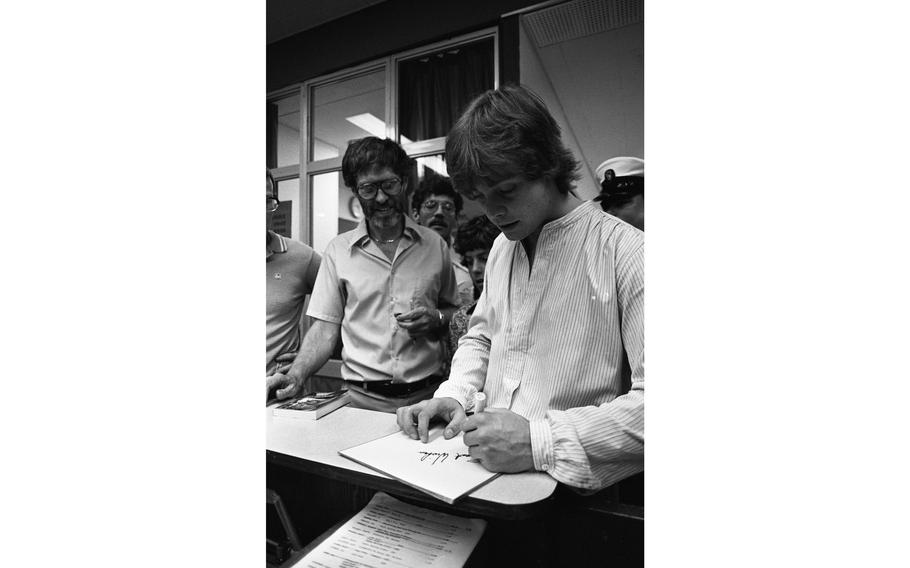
[{"x": 562, "y": 304}]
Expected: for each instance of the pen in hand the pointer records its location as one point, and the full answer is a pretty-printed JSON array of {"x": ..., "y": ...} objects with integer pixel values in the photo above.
[{"x": 480, "y": 402}]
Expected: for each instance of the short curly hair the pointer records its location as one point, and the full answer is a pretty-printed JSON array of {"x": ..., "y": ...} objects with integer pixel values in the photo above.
[
  {"x": 434, "y": 184},
  {"x": 369, "y": 153},
  {"x": 476, "y": 233},
  {"x": 507, "y": 132}
]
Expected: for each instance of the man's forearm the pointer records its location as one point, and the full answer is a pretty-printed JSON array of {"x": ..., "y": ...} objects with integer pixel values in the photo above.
[
  {"x": 317, "y": 347},
  {"x": 592, "y": 447}
]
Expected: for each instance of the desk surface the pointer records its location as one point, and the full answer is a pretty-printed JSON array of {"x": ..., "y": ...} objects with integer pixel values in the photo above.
[{"x": 313, "y": 445}]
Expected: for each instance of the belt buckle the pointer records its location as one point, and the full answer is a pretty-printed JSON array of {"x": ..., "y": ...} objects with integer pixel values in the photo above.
[{"x": 375, "y": 386}]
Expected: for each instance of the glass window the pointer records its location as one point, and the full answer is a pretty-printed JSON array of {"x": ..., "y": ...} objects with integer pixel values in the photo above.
[
  {"x": 433, "y": 163},
  {"x": 346, "y": 110},
  {"x": 283, "y": 132},
  {"x": 283, "y": 219},
  {"x": 335, "y": 209},
  {"x": 436, "y": 165},
  {"x": 434, "y": 89}
]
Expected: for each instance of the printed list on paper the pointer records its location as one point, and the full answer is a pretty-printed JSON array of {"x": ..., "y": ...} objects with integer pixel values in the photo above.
[{"x": 388, "y": 533}]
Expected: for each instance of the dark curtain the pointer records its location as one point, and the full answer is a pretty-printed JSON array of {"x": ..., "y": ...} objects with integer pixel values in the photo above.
[
  {"x": 434, "y": 89},
  {"x": 271, "y": 135}
]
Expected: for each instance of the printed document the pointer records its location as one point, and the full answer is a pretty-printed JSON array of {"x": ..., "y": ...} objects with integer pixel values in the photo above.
[{"x": 391, "y": 534}]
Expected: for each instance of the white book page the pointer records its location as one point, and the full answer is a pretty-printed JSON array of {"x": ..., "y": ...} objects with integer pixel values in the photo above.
[
  {"x": 388, "y": 533},
  {"x": 442, "y": 468}
]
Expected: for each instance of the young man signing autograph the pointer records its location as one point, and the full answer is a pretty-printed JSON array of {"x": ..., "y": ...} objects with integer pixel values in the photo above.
[{"x": 562, "y": 305}]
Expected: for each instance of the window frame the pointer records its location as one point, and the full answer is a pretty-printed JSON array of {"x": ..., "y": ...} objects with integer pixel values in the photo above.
[{"x": 306, "y": 168}]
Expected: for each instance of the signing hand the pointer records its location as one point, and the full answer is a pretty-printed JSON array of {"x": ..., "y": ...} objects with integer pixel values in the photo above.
[
  {"x": 419, "y": 322},
  {"x": 414, "y": 420},
  {"x": 500, "y": 439}
]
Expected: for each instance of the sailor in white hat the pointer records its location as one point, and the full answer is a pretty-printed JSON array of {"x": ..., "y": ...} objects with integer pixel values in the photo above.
[{"x": 622, "y": 189}]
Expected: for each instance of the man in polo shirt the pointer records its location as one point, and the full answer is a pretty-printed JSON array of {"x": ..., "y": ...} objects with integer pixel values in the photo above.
[
  {"x": 290, "y": 273},
  {"x": 436, "y": 205},
  {"x": 562, "y": 305},
  {"x": 386, "y": 288}
]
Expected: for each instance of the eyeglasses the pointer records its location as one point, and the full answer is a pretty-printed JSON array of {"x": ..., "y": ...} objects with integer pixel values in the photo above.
[
  {"x": 271, "y": 203},
  {"x": 431, "y": 205},
  {"x": 390, "y": 187}
]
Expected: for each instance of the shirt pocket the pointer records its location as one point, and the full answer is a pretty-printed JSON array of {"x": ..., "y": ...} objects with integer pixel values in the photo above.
[{"x": 424, "y": 291}]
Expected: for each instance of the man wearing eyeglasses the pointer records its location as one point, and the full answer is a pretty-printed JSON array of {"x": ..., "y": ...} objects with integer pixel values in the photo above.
[
  {"x": 386, "y": 288},
  {"x": 436, "y": 205},
  {"x": 290, "y": 273}
]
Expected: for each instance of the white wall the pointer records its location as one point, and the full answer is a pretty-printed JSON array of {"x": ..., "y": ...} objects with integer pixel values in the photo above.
[{"x": 594, "y": 86}]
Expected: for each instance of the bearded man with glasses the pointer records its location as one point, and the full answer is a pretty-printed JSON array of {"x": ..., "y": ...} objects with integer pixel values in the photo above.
[{"x": 386, "y": 287}]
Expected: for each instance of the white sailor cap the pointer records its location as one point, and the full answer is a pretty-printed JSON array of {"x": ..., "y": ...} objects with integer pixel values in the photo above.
[{"x": 622, "y": 166}]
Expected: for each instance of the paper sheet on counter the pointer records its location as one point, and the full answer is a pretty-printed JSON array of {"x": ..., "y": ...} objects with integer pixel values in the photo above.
[
  {"x": 389, "y": 533},
  {"x": 442, "y": 468}
]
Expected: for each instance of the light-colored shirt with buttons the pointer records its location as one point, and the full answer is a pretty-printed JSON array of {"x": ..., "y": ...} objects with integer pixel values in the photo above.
[
  {"x": 547, "y": 342},
  {"x": 361, "y": 289}
]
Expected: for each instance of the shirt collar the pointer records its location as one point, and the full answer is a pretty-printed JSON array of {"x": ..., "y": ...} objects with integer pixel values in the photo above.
[
  {"x": 276, "y": 243},
  {"x": 570, "y": 218},
  {"x": 361, "y": 237}
]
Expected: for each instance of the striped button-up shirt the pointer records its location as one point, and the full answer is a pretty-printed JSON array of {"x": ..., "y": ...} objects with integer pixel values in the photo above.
[{"x": 547, "y": 342}]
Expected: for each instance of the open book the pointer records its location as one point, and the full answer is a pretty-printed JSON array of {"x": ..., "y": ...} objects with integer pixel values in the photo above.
[{"x": 443, "y": 468}]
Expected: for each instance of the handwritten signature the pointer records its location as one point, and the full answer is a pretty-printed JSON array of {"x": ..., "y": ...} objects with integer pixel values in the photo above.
[{"x": 440, "y": 457}]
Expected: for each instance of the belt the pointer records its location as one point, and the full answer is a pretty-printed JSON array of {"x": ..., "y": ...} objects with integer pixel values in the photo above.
[{"x": 392, "y": 389}]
